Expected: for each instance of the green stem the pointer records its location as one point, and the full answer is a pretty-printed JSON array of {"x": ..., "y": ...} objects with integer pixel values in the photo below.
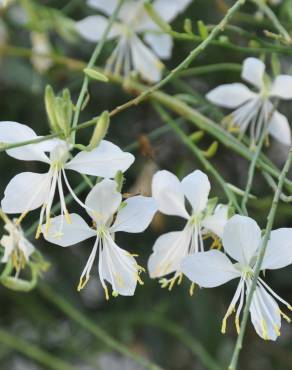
[
  {"x": 65, "y": 306},
  {"x": 32, "y": 351},
  {"x": 201, "y": 70},
  {"x": 261, "y": 254},
  {"x": 273, "y": 18},
  {"x": 251, "y": 171},
  {"x": 188, "y": 60},
  {"x": 199, "y": 155},
  {"x": 91, "y": 64}
]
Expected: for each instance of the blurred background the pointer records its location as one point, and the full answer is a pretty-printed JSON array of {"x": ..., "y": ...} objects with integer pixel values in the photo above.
[{"x": 170, "y": 328}]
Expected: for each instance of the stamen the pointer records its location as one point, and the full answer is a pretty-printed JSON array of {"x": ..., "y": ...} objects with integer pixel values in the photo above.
[
  {"x": 82, "y": 282},
  {"x": 192, "y": 289},
  {"x": 286, "y": 317}
]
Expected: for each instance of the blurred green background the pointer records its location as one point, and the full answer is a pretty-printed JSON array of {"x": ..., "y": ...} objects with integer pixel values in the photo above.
[{"x": 174, "y": 330}]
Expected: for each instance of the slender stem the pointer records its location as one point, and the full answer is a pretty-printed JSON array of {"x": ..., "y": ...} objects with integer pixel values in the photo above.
[
  {"x": 188, "y": 60},
  {"x": 261, "y": 254},
  {"x": 273, "y": 18},
  {"x": 251, "y": 172},
  {"x": 65, "y": 306},
  {"x": 91, "y": 64},
  {"x": 32, "y": 351},
  {"x": 195, "y": 71},
  {"x": 200, "y": 156}
]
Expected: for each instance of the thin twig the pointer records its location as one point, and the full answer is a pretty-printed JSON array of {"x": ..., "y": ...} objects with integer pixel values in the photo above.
[{"x": 261, "y": 254}]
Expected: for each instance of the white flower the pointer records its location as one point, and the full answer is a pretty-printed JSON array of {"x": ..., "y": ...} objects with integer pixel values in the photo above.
[
  {"x": 241, "y": 240},
  {"x": 116, "y": 266},
  {"x": 170, "y": 248},
  {"x": 131, "y": 53},
  {"x": 16, "y": 246},
  {"x": 28, "y": 190},
  {"x": 254, "y": 109}
]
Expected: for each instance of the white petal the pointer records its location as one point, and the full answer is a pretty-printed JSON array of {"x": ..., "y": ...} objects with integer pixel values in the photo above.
[
  {"x": 169, "y": 9},
  {"x": 65, "y": 234},
  {"x": 279, "y": 250},
  {"x": 118, "y": 267},
  {"x": 241, "y": 238},
  {"x": 144, "y": 61},
  {"x": 196, "y": 187},
  {"x": 104, "y": 200},
  {"x": 136, "y": 215},
  {"x": 14, "y": 132},
  {"x": 25, "y": 192},
  {"x": 92, "y": 28},
  {"x": 168, "y": 252},
  {"x": 209, "y": 269},
  {"x": 253, "y": 70},
  {"x": 104, "y": 161},
  {"x": 160, "y": 43},
  {"x": 282, "y": 87},
  {"x": 167, "y": 190},
  {"x": 217, "y": 221},
  {"x": 26, "y": 247},
  {"x": 265, "y": 314},
  {"x": 106, "y": 6},
  {"x": 230, "y": 95},
  {"x": 279, "y": 128}
]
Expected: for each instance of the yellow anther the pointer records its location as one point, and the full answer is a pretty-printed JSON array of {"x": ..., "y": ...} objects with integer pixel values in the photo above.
[
  {"x": 180, "y": 278},
  {"x": 48, "y": 225},
  {"x": 20, "y": 218},
  {"x": 115, "y": 293},
  {"x": 216, "y": 244},
  {"x": 38, "y": 232},
  {"x": 286, "y": 317},
  {"x": 237, "y": 324},
  {"x": 67, "y": 217},
  {"x": 106, "y": 292},
  {"x": 224, "y": 321},
  {"x": 82, "y": 282},
  {"x": 192, "y": 289}
]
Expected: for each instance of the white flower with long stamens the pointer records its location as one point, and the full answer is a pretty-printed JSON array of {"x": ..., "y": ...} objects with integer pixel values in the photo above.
[
  {"x": 28, "y": 190},
  {"x": 131, "y": 53},
  {"x": 255, "y": 109},
  {"x": 16, "y": 246},
  {"x": 109, "y": 215},
  {"x": 170, "y": 248},
  {"x": 241, "y": 241}
]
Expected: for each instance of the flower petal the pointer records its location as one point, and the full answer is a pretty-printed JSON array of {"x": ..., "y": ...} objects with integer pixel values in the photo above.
[
  {"x": 253, "y": 70},
  {"x": 230, "y": 95},
  {"x": 136, "y": 215},
  {"x": 25, "y": 192},
  {"x": 14, "y": 132},
  {"x": 144, "y": 61},
  {"x": 168, "y": 191},
  {"x": 168, "y": 252},
  {"x": 209, "y": 269},
  {"x": 217, "y": 221},
  {"x": 118, "y": 267},
  {"x": 169, "y": 9},
  {"x": 265, "y": 314},
  {"x": 92, "y": 28},
  {"x": 106, "y": 6},
  {"x": 104, "y": 161},
  {"x": 279, "y": 128},
  {"x": 26, "y": 247},
  {"x": 160, "y": 43},
  {"x": 282, "y": 87},
  {"x": 241, "y": 238},
  {"x": 104, "y": 200},
  {"x": 65, "y": 234},
  {"x": 196, "y": 187},
  {"x": 279, "y": 250}
]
